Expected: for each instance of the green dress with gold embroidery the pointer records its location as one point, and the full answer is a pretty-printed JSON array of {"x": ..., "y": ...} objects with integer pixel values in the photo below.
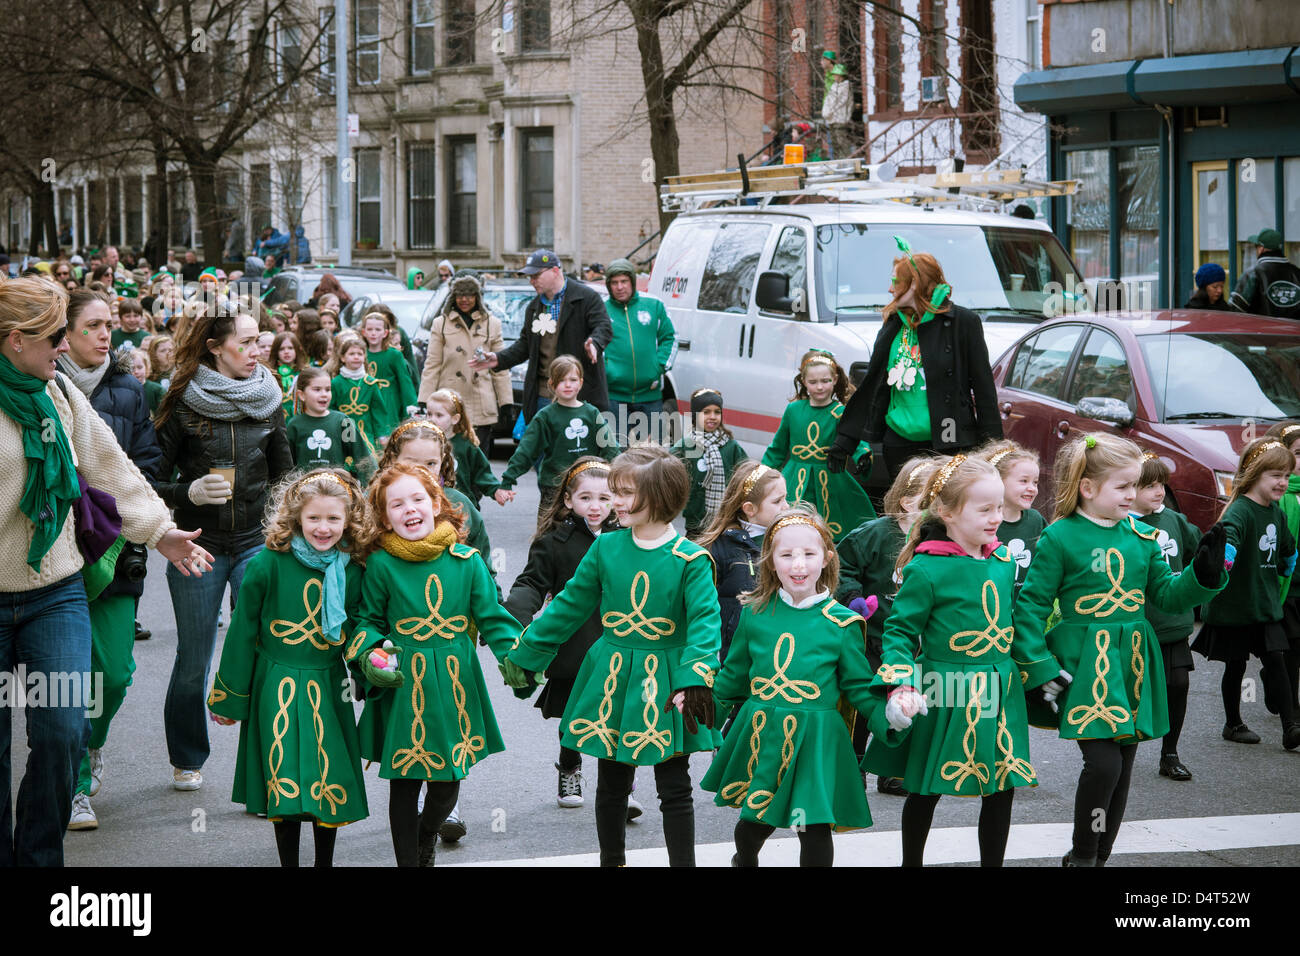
[
  {"x": 394, "y": 392},
  {"x": 972, "y": 667},
  {"x": 789, "y": 757},
  {"x": 440, "y": 722},
  {"x": 299, "y": 755},
  {"x": 355, "y": 398},
  {"x": 1103, "y": 579},
  {"x": 799, "y": 449},
  {"x": 662, "y": 631}
]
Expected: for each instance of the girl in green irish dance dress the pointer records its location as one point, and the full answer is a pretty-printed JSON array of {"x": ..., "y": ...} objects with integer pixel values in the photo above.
[
  {"x": 953, "y": 668},
  {"x": 429, "y": 718},
  {"x": 282, "y": 673},
  {"x": 1103, "y": 568},
  {"x": 806, "y": 432},
  {"x": 789, "y": 760},
  {"x": 643, "y": 694}
]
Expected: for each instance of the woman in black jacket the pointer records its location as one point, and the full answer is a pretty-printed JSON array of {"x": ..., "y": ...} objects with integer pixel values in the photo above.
[
  {"x": 105, "y": 378},
  {"x": 221, "y": 429},
  {"x": 929, "y": 386}
]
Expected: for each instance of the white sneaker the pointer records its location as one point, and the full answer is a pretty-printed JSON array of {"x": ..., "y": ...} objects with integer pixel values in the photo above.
[
  {"x": 634, "y": 809},
  {"x": 83, "y": 817},
  {"x": 96, "y": 770},
  {"x": 186, "y": 779},
  {"x": 570, "y": 790}
]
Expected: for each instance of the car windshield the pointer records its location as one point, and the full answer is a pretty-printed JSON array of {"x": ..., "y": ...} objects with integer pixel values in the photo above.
[
  {"x": 357, "y": 286},
  {"x": 1021, "y": 270},
  {"x": 1216, "y": 375},
  {"x": 509, "y": 304},
  {"x": 408, "y": 312}
]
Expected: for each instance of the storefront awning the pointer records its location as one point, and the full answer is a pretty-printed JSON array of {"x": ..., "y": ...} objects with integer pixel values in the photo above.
[{"x": 1208, "y": 79}]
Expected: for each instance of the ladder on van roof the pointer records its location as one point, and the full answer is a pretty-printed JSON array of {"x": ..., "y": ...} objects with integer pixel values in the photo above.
[{"x": 852, "y": 180}]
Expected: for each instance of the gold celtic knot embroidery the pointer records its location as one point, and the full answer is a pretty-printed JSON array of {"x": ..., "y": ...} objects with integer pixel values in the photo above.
[
  {"x": 800, "y": 483},
  {"x": 434, "y": 625},
  {"x": 651, "y": 628},
  {"x": 705, "y": 671},
  {"x": 408, "y": 757},
  {"x": 332, "y": 793},
  {"x": 793, "y": 691},
  {"x": 992, "y": 637},
  {"x": 354, "y": 406},
  {"x": 736, "y": 791},
  {"x": 1139, "y": 670},
  {"x": 599, "y": 728},
  {"x": 759, "y": 799},
  {"x": 824, "y": 484},
  {"x": 1104, "y": 604},
  {"x": 1009, "y": 763},
  {"x": 308, "y": 629},
  {"x": 892, "y": 672},
  {"x": 280, "y": 786},
  {"x": 468, "y": 747},
  {"x": 640, "y": 739},
  {"x": 1082, "y": 716},
  {"x": 217, "y": 696},
  {"x": 811, "y": 451},
  {"x": 960, "y": 771},
  {"x": 372, "y": 376}
]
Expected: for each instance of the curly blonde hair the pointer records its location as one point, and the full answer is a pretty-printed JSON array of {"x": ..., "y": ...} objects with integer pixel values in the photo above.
[{"x": 292, "y": 494}]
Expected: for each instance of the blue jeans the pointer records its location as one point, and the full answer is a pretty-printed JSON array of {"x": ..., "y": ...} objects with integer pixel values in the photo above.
[
  {"x": 47, "y": 632},
  {"x": 196, "y": 602}
]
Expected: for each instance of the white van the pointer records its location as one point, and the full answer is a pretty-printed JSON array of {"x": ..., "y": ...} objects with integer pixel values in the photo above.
[{"x": 751, "y": 288}]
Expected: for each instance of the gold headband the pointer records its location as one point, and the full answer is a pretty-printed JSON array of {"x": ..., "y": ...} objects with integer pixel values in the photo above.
[
  {"x": 1149, "y": 456},
  {"x": 999, "y": 455},
  {"x": 1259, "y": 450},
  {"x": 789, "y": 520},
  {"x": 945, "y": 473},
  {"x": 1287, "y": 431},
  {"x": 751, "y": 479},
  {"x": 328, "y": 476},
  {"x": 414, "y": 423},
  {"x": 818, "y": 360},
  {"x": 583, "y": 467}
]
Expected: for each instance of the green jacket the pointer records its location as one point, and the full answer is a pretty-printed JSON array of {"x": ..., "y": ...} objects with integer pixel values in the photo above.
[
  {"x": 637, "y": 355},
  {"x": 692, "y": 456}
]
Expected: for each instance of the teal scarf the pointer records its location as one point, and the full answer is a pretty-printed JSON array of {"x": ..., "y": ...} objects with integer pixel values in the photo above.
[
  {"x": 51, "y": 484},
  {"x": 334, "y": 563},
  {"x": 1291, "y": 511}
]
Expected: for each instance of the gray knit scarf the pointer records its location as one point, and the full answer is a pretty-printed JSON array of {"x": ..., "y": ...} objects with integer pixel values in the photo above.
[
  {"x": 86, "y": 379},
  {"x": 715, "y": 476},
  {"x": 213, "y": 395}
]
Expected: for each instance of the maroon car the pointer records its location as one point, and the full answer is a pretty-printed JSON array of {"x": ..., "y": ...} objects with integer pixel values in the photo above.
[{"x": 1192, "y": 386}]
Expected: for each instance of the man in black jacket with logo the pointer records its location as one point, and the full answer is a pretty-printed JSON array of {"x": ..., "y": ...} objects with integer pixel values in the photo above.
[
  {"x": 566, "y": 318},
  {"x": 1272, "y": 285}
]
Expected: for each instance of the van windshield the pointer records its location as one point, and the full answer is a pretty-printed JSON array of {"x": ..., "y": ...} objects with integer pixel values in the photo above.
[{"x": 1017, "y": 270}]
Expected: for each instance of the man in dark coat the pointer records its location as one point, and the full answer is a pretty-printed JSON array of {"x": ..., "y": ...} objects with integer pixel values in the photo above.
[
  {"x": 566, "y": 318},
  {"x": 1272, "y": 285}
]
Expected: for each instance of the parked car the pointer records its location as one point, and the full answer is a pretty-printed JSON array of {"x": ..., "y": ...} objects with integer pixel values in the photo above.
[
  {"x": 297, "y": 283},
  {"x": 409, "y": 305},
  {"x": 1192, "y": 386}
]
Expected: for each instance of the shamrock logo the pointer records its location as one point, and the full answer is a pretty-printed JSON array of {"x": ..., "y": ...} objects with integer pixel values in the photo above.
[
  {"x": 703, "y": 465},
  {"x": 902, "y": 377},
  {"x": 544, "y": 324},
  {"x": 643, "y": 317},
  {"x": 1019, "y": 554},
  {"x": 1268, "y": 541},
  {"x": 577, "y": 430},
  {"x": 1168, "y": 546},
  {"x": 319, "y": 441}
]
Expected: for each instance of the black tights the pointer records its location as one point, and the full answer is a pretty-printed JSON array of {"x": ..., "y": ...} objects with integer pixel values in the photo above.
[
  {"x": 673, "y": 781},
  {"x": 1102, "y": 796},
  {"x": 815, "y": 846},
  {"x": 994, "y": 826},
  {"x": 1276, "y": 680},
  {"x": 1176, "y": 684},
  {"x": 286, "y": 842},
  {"x": 408, "y": 825}
]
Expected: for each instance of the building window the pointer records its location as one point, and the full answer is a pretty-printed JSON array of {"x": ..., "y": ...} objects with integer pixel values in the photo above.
[
  {"x": 291, "y": 193},
  {"x": 535, "y": 26},
  {"x": 328, "y": 50},
  {"x": 462, "y": 222},
  {"x": 1033, "y": 35},
  {"x": 1088, "y": 211},
  {"x": 460, "y": 32},
  {"x": 888, "y": 28},
  {"x": 934, "y": 45},
  {"x": 114, "y": 187},
  {"x": 134, "y": 207},
  {"x": 1139, "y": 208},
  {"x": 1210, "y": 213},
  {"x": 537, "y": 179},
  {"x": 1256, "y": 209},
  {"x": 367, "y": 42},
  {"x": 259, "y": 188},
  {"x": 422, "y": 36},
  {"x": 420, "y": 196},
  {"x": 330, "y": 173},
  {"x": 1291, "y": 207},
  {"x": 368, "y": 196},
  {"x": 289, "y": 52},
  {"x": 178, "y": 195}
]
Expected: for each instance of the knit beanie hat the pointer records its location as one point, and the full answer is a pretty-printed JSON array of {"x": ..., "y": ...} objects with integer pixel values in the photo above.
[
  {"x": 1208, "y": 274},
  {"x": 703, "y": 400}
]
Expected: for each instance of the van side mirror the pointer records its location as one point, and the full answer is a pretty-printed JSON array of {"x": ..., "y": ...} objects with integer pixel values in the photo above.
[{"x": 773, "y": 292}]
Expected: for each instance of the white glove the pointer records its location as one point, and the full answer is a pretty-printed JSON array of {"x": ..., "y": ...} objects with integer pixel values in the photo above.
[
  {"x": 902, "y": 706},
  {"x": 210, "y": 490},
  {"x": 1054, "y": 688}
]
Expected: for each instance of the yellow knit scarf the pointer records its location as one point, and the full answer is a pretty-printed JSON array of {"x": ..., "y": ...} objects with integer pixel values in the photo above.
[{"x": 442, "y": 537}]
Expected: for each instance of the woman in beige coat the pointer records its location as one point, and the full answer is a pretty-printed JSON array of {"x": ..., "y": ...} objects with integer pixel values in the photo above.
[{"x": 464, "y": 326}]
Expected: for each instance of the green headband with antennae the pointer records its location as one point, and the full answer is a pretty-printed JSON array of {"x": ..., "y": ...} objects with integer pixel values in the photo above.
[{"x": 941, "y": 291}]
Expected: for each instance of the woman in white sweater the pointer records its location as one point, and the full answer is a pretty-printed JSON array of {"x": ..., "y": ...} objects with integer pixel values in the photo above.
[{"x": 48, "y": 434}]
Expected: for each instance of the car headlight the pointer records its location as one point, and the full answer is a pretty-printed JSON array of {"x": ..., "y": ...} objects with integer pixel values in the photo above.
[{"x": 1223, "y": 481}]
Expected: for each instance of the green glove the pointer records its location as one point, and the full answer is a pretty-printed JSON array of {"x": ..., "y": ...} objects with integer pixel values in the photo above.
[
  {"x": 377, "y": 676},
  {"x": 513, "y": 674}
]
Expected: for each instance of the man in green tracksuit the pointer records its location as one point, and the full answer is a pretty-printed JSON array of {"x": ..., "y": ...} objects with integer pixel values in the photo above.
[{"x": 637, "y": 356}]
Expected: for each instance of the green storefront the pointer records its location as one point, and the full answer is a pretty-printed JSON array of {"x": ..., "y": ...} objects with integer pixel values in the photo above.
[{"x": 1224, "y": 126}]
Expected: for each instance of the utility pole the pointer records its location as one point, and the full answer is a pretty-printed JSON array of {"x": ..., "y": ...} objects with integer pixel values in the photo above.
[{"x": 343, "y": 167}]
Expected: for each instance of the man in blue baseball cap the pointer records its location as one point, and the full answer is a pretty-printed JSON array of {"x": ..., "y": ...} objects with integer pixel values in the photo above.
[
  {"x": 1272, "y": 285},
  {"x": 566, "y": 318}
]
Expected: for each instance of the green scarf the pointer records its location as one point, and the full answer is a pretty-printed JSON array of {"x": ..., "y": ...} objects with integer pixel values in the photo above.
[
  {"x": 51, "y": 484},
  {"x": 1290, "y": 505}
]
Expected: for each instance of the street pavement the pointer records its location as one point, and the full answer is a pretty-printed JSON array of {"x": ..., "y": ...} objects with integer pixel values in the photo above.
[{"x": 1242, "y": 808}]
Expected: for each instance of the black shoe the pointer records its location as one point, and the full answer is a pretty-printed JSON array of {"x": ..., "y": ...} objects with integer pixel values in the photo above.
[
  {"x": 893, "y": 786},
  {"x": 1291, "y": 736},
  {"x": 141, "y": 634},
  {"x": 1172, "y": 767},
  {"x": 452, "y": 829},
  {"x": 1071, "y": 860},
  {"x": 1240, "y": 734},
  {"x": 427, "y": 847}
]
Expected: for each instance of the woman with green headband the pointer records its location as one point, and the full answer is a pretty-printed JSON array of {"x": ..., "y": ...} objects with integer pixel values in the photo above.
[
  {"x": 50, "y": 431},
  {"x": 929, "y": 386}
]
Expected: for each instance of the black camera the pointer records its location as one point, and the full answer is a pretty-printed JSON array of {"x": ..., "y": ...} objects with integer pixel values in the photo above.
[{"x": 133, "y": 563}]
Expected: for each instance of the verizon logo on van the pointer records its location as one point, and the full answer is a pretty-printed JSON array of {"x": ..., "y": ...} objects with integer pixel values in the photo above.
[{"x": 675, "y": 285}]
